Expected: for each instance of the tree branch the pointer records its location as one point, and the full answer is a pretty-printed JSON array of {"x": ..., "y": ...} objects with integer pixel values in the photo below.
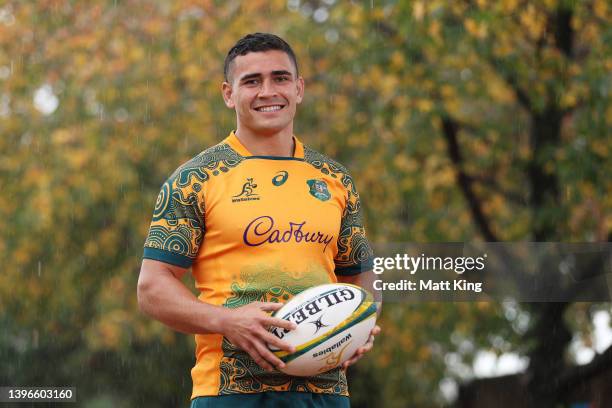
[
  {"x": 573, "y": 376},
  {"x": 489, "y": 182},
  {"x": 450, "y": 130},
  {"x": 520, "y": 93},
  {"x": 386, "y": 29},
  {"x": 564, "y": 33}
]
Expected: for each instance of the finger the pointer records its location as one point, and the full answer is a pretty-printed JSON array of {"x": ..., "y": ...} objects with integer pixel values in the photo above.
[
  {"x": 268, "y": 356},
  {"x": 351, "y": 361},
  {"x": 358, "y": 354},
  {"x": 362, "y": 350},
  {"x": 269, "y": 306},
  {"x": 283, "y": 324},
  {"x": 275, "y": 341},
  {"x": 373, "y": 333},
  {"x": 256, "y": 356}
]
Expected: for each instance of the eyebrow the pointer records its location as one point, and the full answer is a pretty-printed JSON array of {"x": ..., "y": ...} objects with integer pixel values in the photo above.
[{"x": 258, "y": 75}]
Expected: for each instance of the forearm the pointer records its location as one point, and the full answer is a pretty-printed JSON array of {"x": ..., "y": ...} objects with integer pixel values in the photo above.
[
  {"x": 168, "y": 300},
  {"x": 365, "y": 280}
]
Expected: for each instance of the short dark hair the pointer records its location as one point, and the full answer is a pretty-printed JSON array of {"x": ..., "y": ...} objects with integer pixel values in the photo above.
[{"x": 258, "y": 42}]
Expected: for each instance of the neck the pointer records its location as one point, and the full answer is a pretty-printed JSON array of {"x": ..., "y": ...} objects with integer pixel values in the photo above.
[{"x": 275, "y": 144}]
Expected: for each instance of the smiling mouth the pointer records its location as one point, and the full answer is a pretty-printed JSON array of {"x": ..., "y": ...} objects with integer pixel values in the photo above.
[{"x": 270, "y": 108}]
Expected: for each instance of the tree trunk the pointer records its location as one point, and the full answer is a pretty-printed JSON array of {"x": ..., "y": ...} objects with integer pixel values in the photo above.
[{"x": 549, "y": 334}]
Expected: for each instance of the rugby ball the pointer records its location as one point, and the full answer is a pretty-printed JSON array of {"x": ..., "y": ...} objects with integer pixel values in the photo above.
[{"x": 333, "y": 321}]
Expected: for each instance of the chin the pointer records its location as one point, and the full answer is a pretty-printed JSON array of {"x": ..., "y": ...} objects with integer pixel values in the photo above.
[{"x": 270, "y": 129}]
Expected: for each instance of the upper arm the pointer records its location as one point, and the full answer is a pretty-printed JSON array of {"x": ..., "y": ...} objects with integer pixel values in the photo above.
[
  {"x": 151, "y": 269},
  {"x": 177, "y": 228},
  {"x": 363, "y": 279},
  {"x": 154, "y": 276},
  {"x": 354, "y": 251},
  {"x": 366, "y": 281}
]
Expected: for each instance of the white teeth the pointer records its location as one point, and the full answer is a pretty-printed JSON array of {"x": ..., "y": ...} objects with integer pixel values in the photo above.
[{"x": 270, "y": 108}]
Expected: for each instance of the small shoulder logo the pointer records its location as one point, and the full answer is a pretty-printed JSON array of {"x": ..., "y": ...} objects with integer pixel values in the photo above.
[
  {"x": 318, "y": 189},
  {"x": 318, "y": 324},
  {"x": 280, "y": 178},
  {"x": 247, "y": 193}
]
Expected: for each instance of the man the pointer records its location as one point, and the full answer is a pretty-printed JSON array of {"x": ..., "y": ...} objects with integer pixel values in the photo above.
[{"x": 258, "y": 217}]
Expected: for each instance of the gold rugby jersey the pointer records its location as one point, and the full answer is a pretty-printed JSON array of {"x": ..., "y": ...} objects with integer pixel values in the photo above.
[{"x": 257, "y": 228}]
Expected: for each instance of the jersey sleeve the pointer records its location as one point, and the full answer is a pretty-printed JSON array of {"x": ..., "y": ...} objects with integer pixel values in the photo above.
[
  {"x": 177, "y": 228},
  {"x": 355, "y": 254}
]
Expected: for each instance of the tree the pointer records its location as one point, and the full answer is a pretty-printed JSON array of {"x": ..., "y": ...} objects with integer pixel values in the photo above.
[
  {"x": 100, "y": 102},
  {"x": 516, "y": 96},
  {"x": 459, "y": 121}
]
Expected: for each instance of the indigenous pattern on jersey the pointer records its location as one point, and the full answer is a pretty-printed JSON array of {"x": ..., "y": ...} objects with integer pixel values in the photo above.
[{"x": 257, "y": 228}]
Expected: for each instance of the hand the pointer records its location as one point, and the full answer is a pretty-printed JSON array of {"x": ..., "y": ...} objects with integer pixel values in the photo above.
[
  {"x": 363, "y": 349},
  {"x": 247, "y": 328}
]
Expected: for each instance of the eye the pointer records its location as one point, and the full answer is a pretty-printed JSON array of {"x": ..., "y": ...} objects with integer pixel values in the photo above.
[
  {"x": 251, "y": 82},
  {"x": 282, "y": 79}
]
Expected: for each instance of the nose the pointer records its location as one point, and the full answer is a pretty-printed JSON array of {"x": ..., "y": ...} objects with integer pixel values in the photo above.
[{"x": 268, "y": 88}]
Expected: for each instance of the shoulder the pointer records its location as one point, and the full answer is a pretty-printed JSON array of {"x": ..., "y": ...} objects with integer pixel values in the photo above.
[
  {"x": 213, "y": 161},
  {"x": 329, "y": 166},
  {"x": 321, "y": 161}
]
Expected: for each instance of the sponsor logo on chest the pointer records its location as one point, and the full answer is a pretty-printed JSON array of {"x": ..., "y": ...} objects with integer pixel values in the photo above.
[{"x": 263, "y": 230}]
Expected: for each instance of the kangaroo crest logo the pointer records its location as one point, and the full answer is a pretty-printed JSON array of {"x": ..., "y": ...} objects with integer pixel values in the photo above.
[
  {"x": 318, "y": 189},
  {"x": 247, "y": 193}
]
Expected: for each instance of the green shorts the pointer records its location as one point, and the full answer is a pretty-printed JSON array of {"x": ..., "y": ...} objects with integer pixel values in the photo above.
[{"x": 273, "y": 399}]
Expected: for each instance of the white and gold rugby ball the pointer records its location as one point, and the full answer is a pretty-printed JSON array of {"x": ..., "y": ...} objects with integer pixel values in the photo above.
[{"x": 333, "y": 321}]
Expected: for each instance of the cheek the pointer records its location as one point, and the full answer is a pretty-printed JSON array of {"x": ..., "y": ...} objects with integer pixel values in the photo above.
[
  {"x": 243, "y": 104},
  {"x": 292, "y": 108},
  {"x": 295, "y": 99}
]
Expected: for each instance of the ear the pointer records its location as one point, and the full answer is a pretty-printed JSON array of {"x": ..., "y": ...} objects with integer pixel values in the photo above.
[
  {"x": 226, "y": 90},
  {"x": 300, "y": 89}
]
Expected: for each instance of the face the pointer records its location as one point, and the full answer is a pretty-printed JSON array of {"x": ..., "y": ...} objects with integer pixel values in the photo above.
[{"x": 264, "y": 90}]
